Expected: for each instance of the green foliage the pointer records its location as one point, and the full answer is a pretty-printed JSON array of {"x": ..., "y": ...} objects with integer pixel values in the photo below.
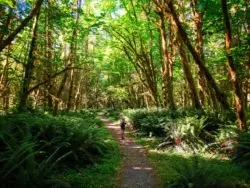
[
  {"x": 191, "y": 175},
  {"x": 242, "y": 150},
  {"x": 10, "y": 3},
  {"x": 196, "y": 173},
  {"x": 189, "y": 171},
  {"x": 191, "y": 129},
  {"x": 113, "y": 114},
  {"x": 104, "y": 171},
  {"x": 22, "y": 159},
  {"x": 33, "y": 146},
  {"x": 149, "y": 121}
]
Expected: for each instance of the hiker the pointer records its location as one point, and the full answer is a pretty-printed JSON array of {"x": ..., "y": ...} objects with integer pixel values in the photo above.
[{"x": 122, "y": 125}]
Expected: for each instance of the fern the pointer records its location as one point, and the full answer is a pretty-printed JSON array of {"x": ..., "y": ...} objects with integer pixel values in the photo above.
[{"x": 32, "y": 147}]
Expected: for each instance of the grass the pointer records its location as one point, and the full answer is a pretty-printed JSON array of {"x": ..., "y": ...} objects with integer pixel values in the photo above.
[{"x": 101, "y": 174}]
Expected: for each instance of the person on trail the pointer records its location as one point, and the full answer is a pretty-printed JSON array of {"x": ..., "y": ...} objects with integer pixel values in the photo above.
[{"x": 122, "y": 125}]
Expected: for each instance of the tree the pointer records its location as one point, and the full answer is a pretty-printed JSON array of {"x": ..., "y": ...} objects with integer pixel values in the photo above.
[
  {"x": 12, "y": 36},
  {"x": 239, "y": 102},
  {"x": 221, "y": 97},
  {"x": 29, "y": 67}
]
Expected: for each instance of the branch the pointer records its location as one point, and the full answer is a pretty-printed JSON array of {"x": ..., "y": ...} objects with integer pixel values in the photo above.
[
  {"x": 131, "y": 1},
  {"x": 150, "y": 18},
  {"x": 13, "y": 35},
  {"x": 53, "y": 76}
]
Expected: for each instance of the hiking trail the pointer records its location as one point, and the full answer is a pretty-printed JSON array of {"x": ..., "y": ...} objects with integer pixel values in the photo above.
[{"x": 136, "y": 170}]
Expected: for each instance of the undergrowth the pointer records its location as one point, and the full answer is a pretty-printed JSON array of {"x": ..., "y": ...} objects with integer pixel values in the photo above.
[
  {"x": 177, "y": 170},
  {"x": 35, "y": 148},
  {"x": 173, "y": 136},
  {"x": 190, "y": 129}
]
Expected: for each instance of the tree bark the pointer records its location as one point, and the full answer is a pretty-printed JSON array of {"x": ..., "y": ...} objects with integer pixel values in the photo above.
[{"x": 239, "y": 102}]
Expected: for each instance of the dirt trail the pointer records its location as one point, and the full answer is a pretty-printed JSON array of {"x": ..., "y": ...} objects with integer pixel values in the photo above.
[{"x": 136, "y": 171}]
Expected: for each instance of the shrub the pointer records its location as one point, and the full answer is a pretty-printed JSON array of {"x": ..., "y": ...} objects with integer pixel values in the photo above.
[
  {"x": 186, "y": 132},
  {"x": 113, "y": 113},
  {"x": 19, "y": 166},
  {"x": 188, "y": 128},
  {"x": 32, "y": 146},
  {"x": 149, "y": 121}
]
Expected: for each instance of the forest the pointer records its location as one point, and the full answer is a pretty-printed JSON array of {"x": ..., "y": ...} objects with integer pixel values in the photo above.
[{"x": 177, "y": 71}]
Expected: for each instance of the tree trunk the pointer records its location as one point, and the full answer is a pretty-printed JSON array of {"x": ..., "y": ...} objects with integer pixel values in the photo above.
[
  {"x": 59, "y": 92},
  {"x": 221, "y": 97},
  {"x": 63, "y": 82},
  {"x": 166, "y": 59},
  {"x": 197, "y": 18},
  {"x": 49, "y": 57},
  {"x": 184, "y": 95},
  {"x": 247, "y": 29},
  {"x": 77, "y": 95},
  {"x": 73, "y": 54},
  {"x": 165, "y": 62},
  {"x": 71, "y": 87},
  {"x": 29, "y": 67},
  {"x": 188, "y": 75},
  {"x": 232, "y": 69},
  {"x": 5, "y": 83}
]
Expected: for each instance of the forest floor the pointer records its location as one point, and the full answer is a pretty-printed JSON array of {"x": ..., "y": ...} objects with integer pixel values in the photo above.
[{"x": 136, "y": 169}]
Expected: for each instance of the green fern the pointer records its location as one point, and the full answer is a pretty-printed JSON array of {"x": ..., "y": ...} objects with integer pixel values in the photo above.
[{"x": 33, "y": 146}]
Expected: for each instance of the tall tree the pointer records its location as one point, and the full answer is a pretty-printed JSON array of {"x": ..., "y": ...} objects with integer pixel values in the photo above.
[
  {"x": 189, "y": 77},
  {"x": 48, "y": 56},
  {"x": 73, "y": 54},
  {"x": 221, "y": 97},
  {"x": 239, "y": 102},
  {"x": 29, "y": 67},
  {"x": 197, "y": 19},
  {"x": 167, "y": 63}
]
